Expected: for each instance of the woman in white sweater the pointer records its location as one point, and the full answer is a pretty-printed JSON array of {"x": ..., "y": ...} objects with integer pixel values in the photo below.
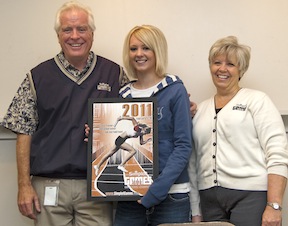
[{"x": 240, "y": 161}]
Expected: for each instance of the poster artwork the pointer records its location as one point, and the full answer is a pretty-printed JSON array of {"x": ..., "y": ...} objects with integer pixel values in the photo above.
[{"x": 123, "y": 148}]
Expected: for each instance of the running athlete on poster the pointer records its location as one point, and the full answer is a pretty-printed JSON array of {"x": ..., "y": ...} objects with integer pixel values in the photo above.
[{"x": 122, "y": 158}]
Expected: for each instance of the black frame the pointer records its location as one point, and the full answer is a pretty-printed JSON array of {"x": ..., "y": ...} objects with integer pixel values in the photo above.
[{"x": 109, "y": 184}]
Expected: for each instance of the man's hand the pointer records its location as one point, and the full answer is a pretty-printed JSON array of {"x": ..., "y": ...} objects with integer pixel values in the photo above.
[
  {"x": 193, "y": 107},
  {"x": 28, "y": 202},
  {"x": 87, "y": 131}
]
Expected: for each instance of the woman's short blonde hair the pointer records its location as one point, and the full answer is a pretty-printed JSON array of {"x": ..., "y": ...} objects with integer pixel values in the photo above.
[
  {"x": 155, "y": 40},
  {"x": 230, "y": 47},
  {"x": 72, "y": 5}
]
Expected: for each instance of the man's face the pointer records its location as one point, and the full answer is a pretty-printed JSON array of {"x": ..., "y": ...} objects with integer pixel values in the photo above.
[{"x": 75, "y": 36}]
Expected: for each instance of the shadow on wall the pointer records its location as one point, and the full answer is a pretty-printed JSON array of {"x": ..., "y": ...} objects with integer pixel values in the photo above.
[{"x": 285, "y": 120}]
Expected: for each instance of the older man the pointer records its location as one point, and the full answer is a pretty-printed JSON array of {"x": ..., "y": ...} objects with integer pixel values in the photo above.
[{"x": 48, "y": 114}]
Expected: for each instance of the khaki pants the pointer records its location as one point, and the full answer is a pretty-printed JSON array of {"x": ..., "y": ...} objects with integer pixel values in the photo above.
[{"x": 72, "y": 209}]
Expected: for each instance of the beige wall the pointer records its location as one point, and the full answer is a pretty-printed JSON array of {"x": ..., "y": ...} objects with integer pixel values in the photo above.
[
  {"x": 9, "y": 214},
  {"x": 285, "y": 209}
]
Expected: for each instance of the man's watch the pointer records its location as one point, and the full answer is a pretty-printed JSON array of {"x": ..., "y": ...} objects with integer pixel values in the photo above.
[{"x": 274, "y": 205}]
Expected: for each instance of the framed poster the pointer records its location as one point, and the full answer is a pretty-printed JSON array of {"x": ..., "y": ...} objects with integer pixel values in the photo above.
[{"x": 122, "y": 148}]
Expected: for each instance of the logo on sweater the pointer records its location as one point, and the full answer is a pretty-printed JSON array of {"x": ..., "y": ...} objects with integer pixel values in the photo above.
[
  {"x": 160, "y": 113},
  {"x": 104, "y": 86},
  {"x": 240, "y": 107}
]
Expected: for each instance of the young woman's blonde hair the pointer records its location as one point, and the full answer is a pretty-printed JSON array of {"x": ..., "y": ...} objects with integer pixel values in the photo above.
[
  {"x": 155, "y": 40},
  {"x": 230, "y": 47},
  {"x": 72, "y": 5}
]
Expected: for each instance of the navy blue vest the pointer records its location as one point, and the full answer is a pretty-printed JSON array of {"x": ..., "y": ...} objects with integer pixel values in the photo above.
[{"x": 57, "y": 148}]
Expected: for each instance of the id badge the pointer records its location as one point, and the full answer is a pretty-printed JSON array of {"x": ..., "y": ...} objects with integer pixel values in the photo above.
[{"x": 51, "y": 193}]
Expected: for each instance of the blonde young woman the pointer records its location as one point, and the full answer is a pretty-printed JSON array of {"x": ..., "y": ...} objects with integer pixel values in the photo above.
[
  {"x": 167, "y": 200},
  {"x": 241, "y": 155}
]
